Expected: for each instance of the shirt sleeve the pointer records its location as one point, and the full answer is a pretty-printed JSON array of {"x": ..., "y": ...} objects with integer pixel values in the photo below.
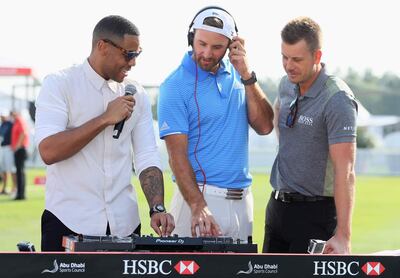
[
  {"x": 172, "y": 111},
  {"x": 341, "y": 117},
  {"x": 145, "y": 149},
  {"x": 51, "y": 109}
]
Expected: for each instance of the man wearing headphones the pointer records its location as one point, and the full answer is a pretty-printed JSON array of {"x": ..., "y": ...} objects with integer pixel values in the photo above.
[{"x": 205, "y": 108}]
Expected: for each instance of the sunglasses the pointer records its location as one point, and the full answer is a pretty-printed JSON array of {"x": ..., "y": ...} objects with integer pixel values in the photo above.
[
  {"x": 129, "y": 55},
  {"x": 291, "y": 118}
]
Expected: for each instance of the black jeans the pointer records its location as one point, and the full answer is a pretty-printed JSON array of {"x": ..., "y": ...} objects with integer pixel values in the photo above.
[
  {"x": 290, "y": 226},
  {"x": 53, "y": 231},
  {"x": 20, "y": 156}
]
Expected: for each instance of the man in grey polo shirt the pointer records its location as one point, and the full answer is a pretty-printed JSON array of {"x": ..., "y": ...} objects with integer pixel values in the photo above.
[{"x": 313, "y": 173}]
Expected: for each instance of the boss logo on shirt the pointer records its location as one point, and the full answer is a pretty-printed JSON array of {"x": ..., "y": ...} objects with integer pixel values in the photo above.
[{"x": 305, "y": 120}]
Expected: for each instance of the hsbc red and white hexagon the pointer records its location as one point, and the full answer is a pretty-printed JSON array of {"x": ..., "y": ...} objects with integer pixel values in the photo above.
[
  {"x": 187, "y": 267},
  {"x": 373, "y": 268}
]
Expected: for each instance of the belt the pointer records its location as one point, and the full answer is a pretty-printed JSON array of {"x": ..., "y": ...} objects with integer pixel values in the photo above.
[
  {"x": 291, "y": 197},
  {"x": 227, "y": 193}
]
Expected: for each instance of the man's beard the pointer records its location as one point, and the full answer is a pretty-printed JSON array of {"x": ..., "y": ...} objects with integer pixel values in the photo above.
[{"x": 210, "y": 65}]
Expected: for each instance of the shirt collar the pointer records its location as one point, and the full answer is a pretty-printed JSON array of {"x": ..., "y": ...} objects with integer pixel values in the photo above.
[
  {"x": 113, "y": 85},
  {"x": 94, "y": 78},
  {"x": 319, "y": 83},
  {"x": 97, "y": 80},
  {"x": 190, "y": 65}
]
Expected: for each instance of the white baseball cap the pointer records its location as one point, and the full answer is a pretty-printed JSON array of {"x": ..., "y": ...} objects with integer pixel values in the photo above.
[{"x": 228, "y": 29}]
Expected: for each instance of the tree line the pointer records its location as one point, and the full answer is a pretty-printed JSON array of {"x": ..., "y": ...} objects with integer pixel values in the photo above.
[{"x": 379, "y": 94}]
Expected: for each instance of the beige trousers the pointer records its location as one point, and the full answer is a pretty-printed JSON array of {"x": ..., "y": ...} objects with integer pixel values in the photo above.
[{"x": 235, "y": 217}]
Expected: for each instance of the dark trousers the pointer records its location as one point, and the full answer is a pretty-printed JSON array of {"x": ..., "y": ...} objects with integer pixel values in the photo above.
[
  {"x": 53, "y": 231},
  {"x": 290, "y": 226},
  {"x": 20, "y": 157}
]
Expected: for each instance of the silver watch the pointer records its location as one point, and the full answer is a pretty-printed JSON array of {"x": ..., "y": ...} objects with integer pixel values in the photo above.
[{"x": 157, "y": 208}]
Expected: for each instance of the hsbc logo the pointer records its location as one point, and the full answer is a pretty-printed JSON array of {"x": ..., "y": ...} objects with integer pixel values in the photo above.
[
  {"x": 329, "y": 268},
  {"x": 147, "y": 267},
  {"x": 373, "y": 268},
  {"x": 186, "y": 267},
  {"x": 153, "y": 267}
]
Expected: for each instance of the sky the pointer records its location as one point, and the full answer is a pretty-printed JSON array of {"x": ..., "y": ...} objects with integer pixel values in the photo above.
[{"x": 48, "y": 35}]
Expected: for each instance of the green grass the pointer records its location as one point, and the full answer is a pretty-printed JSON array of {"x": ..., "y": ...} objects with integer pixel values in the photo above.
[{"x": 376, "y": 224}]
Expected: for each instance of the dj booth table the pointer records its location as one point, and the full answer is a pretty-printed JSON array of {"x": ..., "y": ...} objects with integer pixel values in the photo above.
[{"x": 149, "y": 264}]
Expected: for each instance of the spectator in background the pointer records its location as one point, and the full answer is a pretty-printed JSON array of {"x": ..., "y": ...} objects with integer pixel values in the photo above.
[
  {"x": 6, "y": 154},
  {"x": 19, "y": 144}
]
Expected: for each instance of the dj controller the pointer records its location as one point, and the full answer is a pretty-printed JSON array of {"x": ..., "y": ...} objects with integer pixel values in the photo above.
[{"x": 84, "y": 243}]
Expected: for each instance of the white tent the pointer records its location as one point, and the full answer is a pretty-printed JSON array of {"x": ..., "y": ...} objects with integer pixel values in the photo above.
[{"x": 368, "y": 120}]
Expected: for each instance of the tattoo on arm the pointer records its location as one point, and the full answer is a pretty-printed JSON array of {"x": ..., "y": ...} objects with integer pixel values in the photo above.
[{"x": 152, "y": 182}]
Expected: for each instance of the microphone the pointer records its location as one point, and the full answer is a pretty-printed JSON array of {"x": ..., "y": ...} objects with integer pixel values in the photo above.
[{"x": 130, "y": 90}]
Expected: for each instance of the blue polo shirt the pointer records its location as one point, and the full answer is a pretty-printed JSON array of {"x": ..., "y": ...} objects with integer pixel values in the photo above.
[{"x": 219, "y": 101}]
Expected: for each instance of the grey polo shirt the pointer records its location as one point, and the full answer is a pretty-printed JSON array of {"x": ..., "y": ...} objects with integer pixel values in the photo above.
[{"x": 326, "y": 115}]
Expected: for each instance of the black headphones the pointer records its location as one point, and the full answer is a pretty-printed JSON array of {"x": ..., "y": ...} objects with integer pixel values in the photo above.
[{"x": 190, "y": 35}]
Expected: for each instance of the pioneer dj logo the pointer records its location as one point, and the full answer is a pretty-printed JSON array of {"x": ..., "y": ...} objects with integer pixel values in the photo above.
[
  {"x": 373, "y": 268},
  {"x": 186, "y": 267},
  {"x": 166, "y": 241}
]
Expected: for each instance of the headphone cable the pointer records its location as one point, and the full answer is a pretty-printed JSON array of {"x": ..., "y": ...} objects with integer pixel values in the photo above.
[{"x": 199, "y": 128}]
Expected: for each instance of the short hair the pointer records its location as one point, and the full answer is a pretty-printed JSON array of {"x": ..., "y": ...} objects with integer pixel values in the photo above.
[
  {"x": 303, "y": 28},
  {"x": 214, "y": 22},
  {"x": 113, "y": 27}
]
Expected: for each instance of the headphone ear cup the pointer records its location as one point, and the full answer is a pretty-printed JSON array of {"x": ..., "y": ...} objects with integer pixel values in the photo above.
[{"x": 190, "y": 37}]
